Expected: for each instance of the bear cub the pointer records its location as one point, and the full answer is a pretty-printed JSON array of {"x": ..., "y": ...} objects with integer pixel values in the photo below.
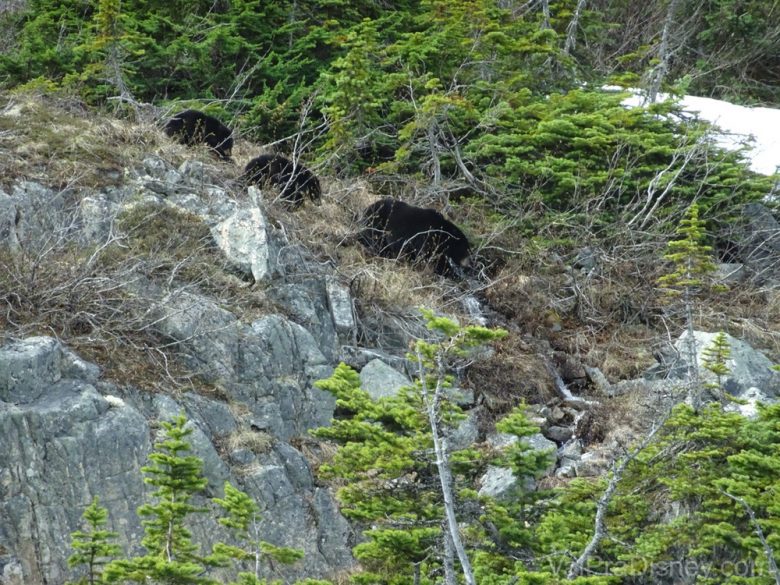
[
  {"x": 394, "y": 229},
  {"x": 192, "y": 127},
  {"x": 294, "y": 180}
]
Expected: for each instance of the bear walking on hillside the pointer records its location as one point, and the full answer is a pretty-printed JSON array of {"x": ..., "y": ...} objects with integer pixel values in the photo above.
[
  {"x": 394, "y": 229},
  {"x": 293, "y": 179},
  {"x": 192, "y": 127}
]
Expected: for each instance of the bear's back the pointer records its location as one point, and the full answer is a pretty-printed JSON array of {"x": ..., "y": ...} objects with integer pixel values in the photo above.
[
  {"x": 393, "y": 228},
  {"x": 193, "y": 127}
]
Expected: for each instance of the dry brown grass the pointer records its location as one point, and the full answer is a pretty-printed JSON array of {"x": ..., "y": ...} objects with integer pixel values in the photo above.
[
  {"x": 515, "y": 372},
  {"x": 615, "y": 321},
  {"x": 746, "y": 313},
  {"x": 61, "y": 293},
  {"x": 615, "y": 316},
  {"x": 258, "y": 442},
  {"x": 381, "y": 286},
  {"x": 60, "y": 143},
  {"x": 315, "y": 451},
  {"x": 90, "y": 296},
  {"x": 523, "y": 298},
  {"x": 623, "y": 355}
]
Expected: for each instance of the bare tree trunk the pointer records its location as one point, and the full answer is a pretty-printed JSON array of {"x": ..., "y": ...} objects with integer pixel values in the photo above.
[
  {"x": 653, "y": 202},
  {"x": 694, "y": 392},
  {"x": 433, "y": 144},
  {"x": 546, "y": 13},
  {"x": 449, "y": 557},
  {"x": 291, "y": 20},
  {"x": 454, "y": 149},
  {"x": 256, "y": 530},
  {"x": 432, "y": 402},
  {"x": 664, "y": 53},
  {"x": 114, "y": 66},
  {"x": 110, "y": 34},
  {"x": 571, "y": 30}
]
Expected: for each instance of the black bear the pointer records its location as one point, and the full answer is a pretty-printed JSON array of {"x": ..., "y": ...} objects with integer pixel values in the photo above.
[
  {"x": 192, "y": 127},
  {"x": 394, "y": 229},
  {"x": 293, "y": 180}
]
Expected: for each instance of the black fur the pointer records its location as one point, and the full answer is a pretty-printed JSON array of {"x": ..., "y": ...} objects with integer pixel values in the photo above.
[
  {"x": 192, "y": 127},
  {"x": 394, "y": 229},
  {"x": 294, "y": 181}
]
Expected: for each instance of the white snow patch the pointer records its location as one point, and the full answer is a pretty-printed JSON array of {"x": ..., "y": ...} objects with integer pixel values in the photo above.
[{"x": 757, "y": 128}]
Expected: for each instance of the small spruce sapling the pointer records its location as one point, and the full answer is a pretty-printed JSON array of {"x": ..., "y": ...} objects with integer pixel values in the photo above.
[
  {"x": 242, "y": 519},
  {"x": 93, "y": 547},
  {"x": 171, "y": 556},
  {"x": 692, "y": 262},
  {"x": 398, "y": 474},
  {"x": 714, "y": 358},
  {"x": 434, "y": 362}
]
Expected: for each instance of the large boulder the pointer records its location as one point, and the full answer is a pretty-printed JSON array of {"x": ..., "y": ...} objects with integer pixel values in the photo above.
[
  {"x": 98, "y": 213},
  {"x": 30, "y": 214},
  {"x": 61, "y": 443},
  {"x": 306, "y": 303},
  {"x": 29, "y": 368},
  {"x": 278, "y": 363},
  {"x": 748, "y": 367},
  {"x": 342, "y": 310},
  {"x": 244, "y": 239},
  {"x": 206, "y": 334},
  {"x": 380, "y": 380}
]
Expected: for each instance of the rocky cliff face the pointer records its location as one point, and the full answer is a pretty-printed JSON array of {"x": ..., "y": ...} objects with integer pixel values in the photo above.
[{"x": 68, "y": 434}]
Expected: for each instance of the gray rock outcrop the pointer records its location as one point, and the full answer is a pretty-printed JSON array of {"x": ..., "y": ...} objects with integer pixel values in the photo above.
[
  {"x": 380, "y": 380},
  {"x": 244, "y": 239},
  {"x": 748, "y": 367},
  {"x": 67, "y": 436},
  {"x": 757, "y": 243}
]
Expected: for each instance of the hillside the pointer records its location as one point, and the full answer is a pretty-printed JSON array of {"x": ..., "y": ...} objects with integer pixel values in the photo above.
[
  {"x": 591, "y": 399},
  {"x": 140, "y": 281}
]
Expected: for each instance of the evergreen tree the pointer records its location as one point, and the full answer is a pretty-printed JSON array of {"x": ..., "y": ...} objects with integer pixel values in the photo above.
[
  {"x": 400, "y": 477},
  {"x": 171, "y": 556},
  {"x": 751, "y": 482},
  {"x": 714, "y": 358},
  {"x": 353, "y": 98},
  {"x": 698, "y": 459},
  {"x": 506, "y": 531},
  {"x": 104, "y": 71},
  {"x": 434, "y": 362},
  {"x": 242, "y": 519},
  {"x": 93, "y": 546},
  {"x": 699, "y": 501},
  {"x": 388, "y": 479},
  {"x": 692, "y": 262}
]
